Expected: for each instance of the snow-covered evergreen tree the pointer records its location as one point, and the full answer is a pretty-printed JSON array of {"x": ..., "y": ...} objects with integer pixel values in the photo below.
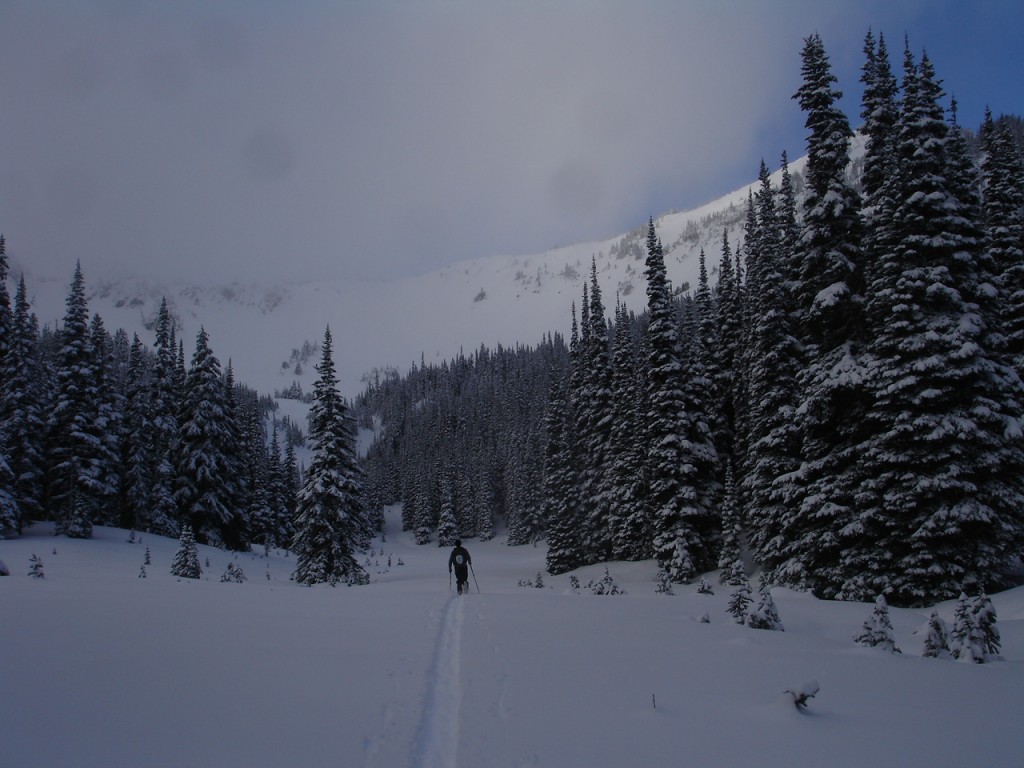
[
  {"x": 673, "y": 496},
  {"x": 765, "y": 615},
  {"x": 877, "y": 631},
  {"x": 631, "y": 526},
  {"x": 730, "y": 553},
  {"x": 880, "y": 112},
  {"x": 204, "y": 472},
  {"x": 22, "y": 416},
  {"x": 967, "y": 641},
  {"x": 728, "y": 352},
  {"x": 1003, "y": 209},
  {"x": 164, "y": 405},
  {"x": 233, "y": 574},
  {"x": 447, "y": 531},
  {"x": 984, "y": 614},
  {"x": 664, "y": 584},
  {"x": 35, "y": 568},
  {"x": 773, "y": 437},
  {"x": 73, "y": 474},
  {"x": 936, "y": 641},
  {"x": 10, "y": 511},
  {"x": 594, "y": 412},
  {"x": 139, "y": 438},
  {"x": 739, "y": 602},
  {"x": 829, "y": 320},
  {"x": 564, "y": 546},
  {"x": 940, "y": 492},
  {"x": 106, "y": 413},
  {"x": 330, "y": 525},
  {"x": 186, "y": 561}
]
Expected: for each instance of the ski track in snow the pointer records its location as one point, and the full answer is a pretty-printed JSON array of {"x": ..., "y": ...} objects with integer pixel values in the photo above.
[
  {"x": 500, "y": 707},
  {"x": 437, "y": 743}
]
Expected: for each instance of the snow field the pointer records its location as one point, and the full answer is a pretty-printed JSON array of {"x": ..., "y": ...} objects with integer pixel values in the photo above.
[{"x": 101, "y": 668}]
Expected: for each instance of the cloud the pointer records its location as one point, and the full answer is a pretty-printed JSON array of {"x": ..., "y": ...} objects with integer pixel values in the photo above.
[{"x": 264, "y": 141}]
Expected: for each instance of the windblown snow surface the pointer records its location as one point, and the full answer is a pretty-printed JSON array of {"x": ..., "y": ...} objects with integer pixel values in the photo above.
[{"x": 99, "y": 667}]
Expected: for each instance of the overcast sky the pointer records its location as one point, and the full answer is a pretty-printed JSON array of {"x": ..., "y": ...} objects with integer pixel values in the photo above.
[{"x": 250, "y": 139}]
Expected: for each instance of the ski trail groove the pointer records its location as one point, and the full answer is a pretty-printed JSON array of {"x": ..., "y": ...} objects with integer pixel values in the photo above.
[{"x": 437, "y": 745}]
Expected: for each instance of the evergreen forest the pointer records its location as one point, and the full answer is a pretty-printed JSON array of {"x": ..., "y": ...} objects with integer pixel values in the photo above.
[{"x": 841, "y": 410}]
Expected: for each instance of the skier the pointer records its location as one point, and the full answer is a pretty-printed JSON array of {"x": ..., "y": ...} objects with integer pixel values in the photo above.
[{"x": 461, "y": 560}]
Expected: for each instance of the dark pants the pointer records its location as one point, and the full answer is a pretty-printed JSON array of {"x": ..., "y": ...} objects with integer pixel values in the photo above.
[{"x": 462, "y": 579}]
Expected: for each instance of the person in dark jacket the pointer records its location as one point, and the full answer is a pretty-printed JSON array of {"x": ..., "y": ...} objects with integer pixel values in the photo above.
[{"x": 460, "y": 561}]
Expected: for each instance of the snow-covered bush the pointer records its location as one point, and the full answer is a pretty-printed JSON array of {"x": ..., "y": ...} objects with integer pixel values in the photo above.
[
  {"x": 703, "y": 588},
  {"x": 877, "y": 630},
  {"x": 233, "y": 573},
  {"x": 967, "y": 640},
  {"x": 985, "y": 618},
  {"x": 735, "y": 574},
  {"x": 35, "y": 569},
  {"x": 739, "y": 602},
  {"x": 936, "y": 641},
  {"x": 606, "y": 586},
  {"x": 664, "y": 584},
  {"x": 765, "y": 616}
]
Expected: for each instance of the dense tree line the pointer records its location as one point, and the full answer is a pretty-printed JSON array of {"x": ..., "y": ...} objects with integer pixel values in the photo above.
[
  {"x": 461, "y": 444},
  {"x": 844, "y": 405},
  {"x": 97, "y": 429}
]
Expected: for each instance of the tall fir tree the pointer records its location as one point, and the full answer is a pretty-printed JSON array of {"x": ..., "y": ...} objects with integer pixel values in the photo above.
[
  {"x": 729, "y": 325},
  {"x": 73, "y": 474},
  {"x": 631, "y": 520},
  {"x": 106, "y": 412},
  {"x": 831, "y": 276},
  {"x": 22, "y": 418},
  {"x": 139, "y": 438},
  {"x": 560, "y": 496},
  {"x": 774, "y": 452},
  {"x": 880, "y": 112},
  {"x": 940, "y": 497},
  {"x": 674, "y": 503},
  {"x": 830, "y": 328},
  {"x": 165, "y": 517},
  {"x": 1003, "y": 211},
  {"x": 204, "y": 473},
  {"x": 596, "y": 412},
  {"x": 10, "y": 512},
  {"x": 330, "y": 524}
]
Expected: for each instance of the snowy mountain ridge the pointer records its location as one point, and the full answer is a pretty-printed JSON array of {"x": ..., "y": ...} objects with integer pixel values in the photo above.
[{"x": 493, "y": 300}]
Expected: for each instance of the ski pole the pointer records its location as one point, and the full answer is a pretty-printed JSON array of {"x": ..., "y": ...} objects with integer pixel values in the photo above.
[
  {"x": 449, "y": 581},
  {"x": 474, "y": 577}
]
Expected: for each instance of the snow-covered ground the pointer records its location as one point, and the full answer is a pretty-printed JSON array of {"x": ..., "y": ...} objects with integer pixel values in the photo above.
[{"x": 99, "y": 667}]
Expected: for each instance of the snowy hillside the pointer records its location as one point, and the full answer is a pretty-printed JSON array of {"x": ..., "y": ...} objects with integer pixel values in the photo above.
[
  {"x": 493, "y": 300},
  {"x": 99, "y": 667}
]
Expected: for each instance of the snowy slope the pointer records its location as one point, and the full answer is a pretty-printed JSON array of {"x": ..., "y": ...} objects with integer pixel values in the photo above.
[
  {"x": 493, "y": 300},
  {"x": 101, "y": 668}
]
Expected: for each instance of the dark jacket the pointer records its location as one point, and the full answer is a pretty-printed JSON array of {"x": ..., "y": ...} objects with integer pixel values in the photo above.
[{"x": 460, "y": 564}]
